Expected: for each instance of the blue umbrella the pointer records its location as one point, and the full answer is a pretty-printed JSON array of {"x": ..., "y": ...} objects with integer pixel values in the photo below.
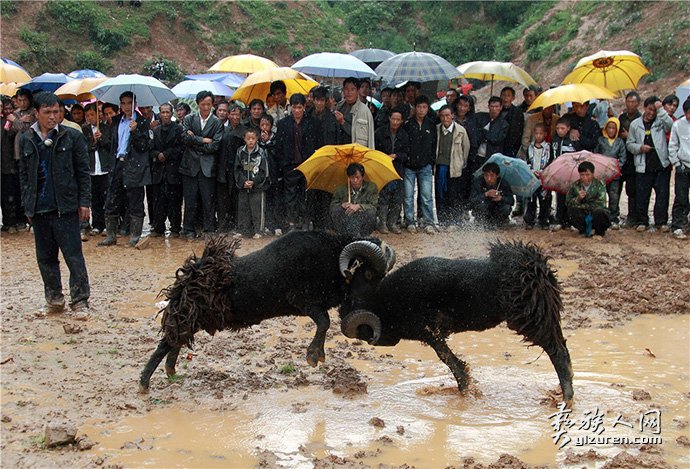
[
  {"x": 85, "y": 73},
  {"x": 232, "y": 80},
  {"x": 514, "y": 172},
  {"x": 189, "y": 88},
  {"x": 12, "y": 62},
  {"x": 416, "y": 66},
  {"x": 47, "y": 82},
  {"x": 332, "y": 65},
  {"x": 147, "y": 90}
]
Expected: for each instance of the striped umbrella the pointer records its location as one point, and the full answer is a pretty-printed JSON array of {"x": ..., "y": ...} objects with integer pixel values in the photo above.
[{"x": 416, "y": 66}]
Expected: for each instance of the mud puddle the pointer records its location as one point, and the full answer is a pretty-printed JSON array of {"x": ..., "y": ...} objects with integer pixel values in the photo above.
[{"x": 413, "y": 415}]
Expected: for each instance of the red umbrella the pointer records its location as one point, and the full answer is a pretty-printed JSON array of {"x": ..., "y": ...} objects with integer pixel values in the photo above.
[{"x": 562, "y": 172}]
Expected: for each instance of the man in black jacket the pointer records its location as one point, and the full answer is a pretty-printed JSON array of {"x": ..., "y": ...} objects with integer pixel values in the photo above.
[
  {"x": 131, "y": 144},
  {"x": 202, "y": 135},
  {"x": 584, "y": 131},
  {"x": 166, "y": 184},
  {"x": 516, "y": 122},
  {"x": 297, "y": 138},
  {"x": 226, "y": 191},
  {"x": 98, "y": 137},
  {"x": 56, "y": 194},
  {"x": 394, "y": 142},
  {"x": 492, "y": 131}
]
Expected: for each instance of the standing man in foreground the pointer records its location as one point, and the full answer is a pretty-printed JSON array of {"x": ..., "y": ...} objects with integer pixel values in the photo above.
[{"x": 56, "y": 194}]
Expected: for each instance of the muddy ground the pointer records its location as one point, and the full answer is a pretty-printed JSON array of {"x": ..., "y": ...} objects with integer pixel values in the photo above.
[{"x": 84, "y": 370}]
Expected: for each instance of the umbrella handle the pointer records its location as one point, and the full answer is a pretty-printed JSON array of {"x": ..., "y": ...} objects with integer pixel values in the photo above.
[{"x": 349, "y": 200}]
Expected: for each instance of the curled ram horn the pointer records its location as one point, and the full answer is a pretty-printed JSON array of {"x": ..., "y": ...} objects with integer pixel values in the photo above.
[
  {"x": 372, "y": 252},
  {"x": 389, "y": 253},
  {"x": 362, "y": 324}
]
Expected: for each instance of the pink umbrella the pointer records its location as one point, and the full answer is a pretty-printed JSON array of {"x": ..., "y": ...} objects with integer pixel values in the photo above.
[{"x": 562, "y": 172}]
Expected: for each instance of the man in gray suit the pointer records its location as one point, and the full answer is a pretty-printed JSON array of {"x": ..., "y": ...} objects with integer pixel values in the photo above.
[{"x": 201, "y": 137}]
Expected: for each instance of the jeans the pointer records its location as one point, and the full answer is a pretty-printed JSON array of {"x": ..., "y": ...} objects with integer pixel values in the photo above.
[
  {"x": 681, "y": 205},
  {"x": 541, "y": 198},
  {"x": 425, "y": 180},
  {"x": 53, "y": 233},
  {"x": 659, "y": 181}
]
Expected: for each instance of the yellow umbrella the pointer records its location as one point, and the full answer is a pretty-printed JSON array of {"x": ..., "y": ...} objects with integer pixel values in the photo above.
[
  {"x": 244, "y": 63},
  {"x": 577, "y": 93},
  {"x": 257, "y": 85},
  {"x": 80, "y": 89},
  {"x": 614, "y": 70},
  {"x": 10, "y": 89},
  {"x": 325, "y": 169},
  {"x": 501, "y": 71},
  {"x": 9, "y": 73}
]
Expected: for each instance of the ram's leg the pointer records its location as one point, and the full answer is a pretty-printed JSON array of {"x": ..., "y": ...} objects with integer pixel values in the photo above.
[
  {"x": 157, "y": 356},
  {"x": 171, "y": 361},
  {"x": 560, "y": 358},
  {"x": 315, "y": 352},
  {"x": 457, "y": 366}
]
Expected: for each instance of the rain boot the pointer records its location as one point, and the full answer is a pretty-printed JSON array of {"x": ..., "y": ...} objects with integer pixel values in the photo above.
[
  {"x": 135, "y": 225},
  {"x": 110, "y": 229}
]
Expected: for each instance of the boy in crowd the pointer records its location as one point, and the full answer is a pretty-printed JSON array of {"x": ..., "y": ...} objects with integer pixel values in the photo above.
[
  {"x": 586, "y": 201},
  {"x": 251, "y": 178},
  {"x": 609, "y": 144},
  {"x": 561, "y": 143},
  {"x": 538, "y": 157}
]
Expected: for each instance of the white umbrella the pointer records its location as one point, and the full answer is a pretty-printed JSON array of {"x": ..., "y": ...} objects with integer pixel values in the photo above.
[
  {"x": 190, "y": 88},
  {"x": 332, "y": 65},
  {"x": 147, "y": 90}
]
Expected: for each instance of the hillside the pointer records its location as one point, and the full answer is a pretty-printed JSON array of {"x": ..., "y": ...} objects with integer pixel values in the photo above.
[{"x": 546, "y": 38}]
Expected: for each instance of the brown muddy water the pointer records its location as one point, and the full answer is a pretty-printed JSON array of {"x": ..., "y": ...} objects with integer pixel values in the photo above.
[
  {"x": 426, "y": 422},
  {"x": 248, "y": 399}
]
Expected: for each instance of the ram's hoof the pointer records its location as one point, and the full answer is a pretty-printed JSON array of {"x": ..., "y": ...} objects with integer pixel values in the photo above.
[
  {"x": 568, "y": 403},
  {"x": 143, "y": 388},
  {"x": 170, "y": 371}
]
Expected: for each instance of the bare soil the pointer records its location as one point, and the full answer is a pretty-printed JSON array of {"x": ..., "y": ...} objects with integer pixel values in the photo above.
[{"x": 85, "y": 369}]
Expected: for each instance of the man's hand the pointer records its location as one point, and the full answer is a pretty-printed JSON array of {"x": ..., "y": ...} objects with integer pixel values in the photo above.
[
  {"x": 645, "y": 148},
  {"x": 658, "y": 104},
  {"x": 623, "y": 134},
  {"x": 206, "y": 140},
  {"x": 581, "y": 194},
  {"x": 97, "y": 134},
  {"x": 161, "y": 157},
  {"x": 392, "y": 156},
  {"x": 154, "y": 124},
  {"x": 190, "y": 133},
  {"x": 132, "y": 125},
  {"x": 248, "y": 184},
  {"x": 84, "y": 213},
  {"x": 339, "y": 117},
  {"x": 11, "y": 117},
  {"x": 574, "y": 135}
]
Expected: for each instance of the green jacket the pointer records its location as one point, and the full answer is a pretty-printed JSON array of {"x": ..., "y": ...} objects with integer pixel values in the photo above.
[
  {"x": 595, "y": 198},
  {"x": 367, "y": 196}
]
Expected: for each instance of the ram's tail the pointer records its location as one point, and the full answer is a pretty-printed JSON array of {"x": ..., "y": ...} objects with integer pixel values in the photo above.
[
  {"x": 531, "y": 297},
  {"x": 199, "y": 298}
]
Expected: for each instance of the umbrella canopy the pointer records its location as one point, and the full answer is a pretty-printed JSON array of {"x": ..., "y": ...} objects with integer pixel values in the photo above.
[
  {"x": 614, "y": 70},
  {"x": 560, "y": 174},
  {"x": 416, "y": 66},
  {"x": 369, "y": 56},
  {"x": 577, "y": 93},
  {"x": 229, "y": 79},
  {"x": 332, "y": 65},
  {"x": 147, "y": 90},
  {"x": 47, "y": 82},
  {"x": 683, "y": 92},
  {"x": 86, "y": 73},
  {"x": 514, "y": 172},
  {"x": 257, "y": 85},
  {"x": 10, "y": 72},
  {"x": 10, "y": 89},
  {"x": 243, "y": 63},
  {"x": 325, "y": 169},
  {"x": 79, "y": 90},
  {"x": 375, "y": 102},
  {"x": 189, "y": 88},
  {"x": 496, "y": 71}
]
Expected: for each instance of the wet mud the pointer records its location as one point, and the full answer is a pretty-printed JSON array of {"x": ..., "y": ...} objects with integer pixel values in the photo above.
[{"x": 249, "y": 399}]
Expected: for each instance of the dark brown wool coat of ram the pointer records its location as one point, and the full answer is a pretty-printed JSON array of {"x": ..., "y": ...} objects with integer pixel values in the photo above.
[
  {"x": 303, "y": 273},
  {"x": 431, "y": 298}
]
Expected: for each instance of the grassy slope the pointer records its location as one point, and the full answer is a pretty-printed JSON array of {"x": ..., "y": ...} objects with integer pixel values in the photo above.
[{"x": 545, "y": 37}]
